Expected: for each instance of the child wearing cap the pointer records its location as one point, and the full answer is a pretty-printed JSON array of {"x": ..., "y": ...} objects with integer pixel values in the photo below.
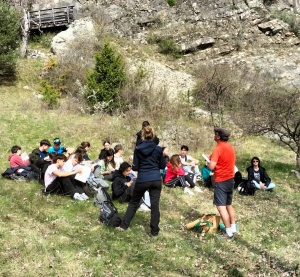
[{"x": 57, "y": 148}]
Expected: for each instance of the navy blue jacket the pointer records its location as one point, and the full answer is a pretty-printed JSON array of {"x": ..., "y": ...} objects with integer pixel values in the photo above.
[{"x": 147, "y": 161}]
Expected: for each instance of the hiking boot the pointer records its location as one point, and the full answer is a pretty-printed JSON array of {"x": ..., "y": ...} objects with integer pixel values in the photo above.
[
  {"x": 188, "y": 191},
  {"x": 78, "y": 197},
  {"x": 197, "y": 189},
  {"x": 144, "y": 208},
  {"x": 225, "y": 237}
]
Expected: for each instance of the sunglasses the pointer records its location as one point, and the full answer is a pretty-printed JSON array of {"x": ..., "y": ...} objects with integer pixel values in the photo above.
[{"x": 255, "y": 161}]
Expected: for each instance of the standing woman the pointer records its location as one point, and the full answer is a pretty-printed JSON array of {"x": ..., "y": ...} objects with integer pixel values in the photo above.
[
  {"x": 147, "y": 161},
  {"x": 259, "y": 176}
]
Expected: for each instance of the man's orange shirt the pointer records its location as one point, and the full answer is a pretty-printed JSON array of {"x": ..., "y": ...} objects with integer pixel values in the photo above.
[{"x": 223, "y": 154}]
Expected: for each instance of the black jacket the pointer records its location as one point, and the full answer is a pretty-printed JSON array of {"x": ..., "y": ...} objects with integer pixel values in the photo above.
[
  {"x": 118, "y": 185},
  {"x": 139, "y": 138},
  {"x": 264, "y": 177},
  {"x": 148, "y": 159},
  {"x": 102, "y": 152},
  {"x": 35, "y": 156}
]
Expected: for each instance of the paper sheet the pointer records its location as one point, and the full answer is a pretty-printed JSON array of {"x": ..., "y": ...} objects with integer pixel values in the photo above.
[{"x": 82, "y": 177}]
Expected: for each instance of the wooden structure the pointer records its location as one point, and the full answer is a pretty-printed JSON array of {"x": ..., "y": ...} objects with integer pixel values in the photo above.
[{"x": 52, "y": 17}]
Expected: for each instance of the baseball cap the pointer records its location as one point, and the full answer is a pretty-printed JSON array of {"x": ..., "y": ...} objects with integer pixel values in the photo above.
[
  {"x": 223, "y": 133},
  {"x": 56, "y": 140}
]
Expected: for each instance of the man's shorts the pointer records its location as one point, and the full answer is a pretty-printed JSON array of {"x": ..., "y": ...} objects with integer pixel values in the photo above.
[{"x": 224, "y": 192}]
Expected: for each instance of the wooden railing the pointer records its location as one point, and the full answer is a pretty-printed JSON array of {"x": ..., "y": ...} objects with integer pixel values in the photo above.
[{"x": 53, "y": 17}]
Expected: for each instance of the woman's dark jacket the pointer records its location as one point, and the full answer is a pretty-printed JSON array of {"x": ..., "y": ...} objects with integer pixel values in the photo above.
[
  {"x": 264, "y": 177},
  {"x": 139, "y": 138},
  {"x": 118, "y": 185},
  {"x": 147, "y": 161}
]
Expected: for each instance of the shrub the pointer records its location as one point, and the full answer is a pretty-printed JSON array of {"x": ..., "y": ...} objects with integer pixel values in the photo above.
[
  {"x": 169, "y": 47},
  {"x": 107, "y": 78},
  {"x": 50, "y": 95},
  {"x": 171, "y": 2},
  {"x": 9, "y": 39},
  {"x": 290, "y": 18}
]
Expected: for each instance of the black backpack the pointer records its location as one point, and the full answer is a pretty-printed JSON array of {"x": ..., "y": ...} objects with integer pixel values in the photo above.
[
  {"x": 109, "y": 214},
  {"x": 238, "y": 179},
  {"x": 247, "y": 188}
]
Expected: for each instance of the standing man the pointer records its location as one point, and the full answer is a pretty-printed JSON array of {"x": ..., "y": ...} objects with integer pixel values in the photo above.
[{"x": 222, "y": 162}]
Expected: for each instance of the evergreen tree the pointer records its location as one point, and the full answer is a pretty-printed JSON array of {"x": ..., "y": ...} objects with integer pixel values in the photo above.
[
  {"x": 105, "y": 81},
  {"x": 9, "y": 39}
]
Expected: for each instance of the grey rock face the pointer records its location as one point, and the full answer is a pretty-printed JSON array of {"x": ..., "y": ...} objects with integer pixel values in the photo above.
[{"x": 82, "y": 29}]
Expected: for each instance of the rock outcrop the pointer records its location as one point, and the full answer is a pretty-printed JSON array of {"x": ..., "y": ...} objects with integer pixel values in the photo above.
[{"x": 235, "y": 32}]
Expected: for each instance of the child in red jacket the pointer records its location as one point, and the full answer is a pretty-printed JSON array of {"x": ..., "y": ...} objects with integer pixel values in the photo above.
[
  {"x": 175, "y": 175},
  {"x": 15, "y": 158}
]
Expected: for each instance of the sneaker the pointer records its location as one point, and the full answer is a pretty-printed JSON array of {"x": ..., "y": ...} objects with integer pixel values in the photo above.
[
  {"x": 237, "y": 229},
  {"x": 84, "y": 196},
  {"x": 224, "y": 237},
  {"x": 197, "y": 189},
  {"x": 144, "y": 208},
  {"x": 78, "y": 196},
  {"x": 120, "y": 229},
  {"x": 188, "y": 191},
  {"x": 198, "y": 178}
]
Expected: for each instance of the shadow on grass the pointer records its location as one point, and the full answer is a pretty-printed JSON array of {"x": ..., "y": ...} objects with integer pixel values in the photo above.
[{"x": 8, "y": 81}]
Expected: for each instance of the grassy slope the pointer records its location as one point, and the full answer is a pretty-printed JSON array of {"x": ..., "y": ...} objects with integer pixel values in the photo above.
[{"x": 55, "y": 236}]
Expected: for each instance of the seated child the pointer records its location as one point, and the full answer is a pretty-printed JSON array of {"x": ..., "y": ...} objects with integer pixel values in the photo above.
[
  {"x": 39, "y": 156},
  {"x": 207, "y": 176},
  {"x": 118, "y": 156},
  {"x": 86, "y": 145},
  {"x": 58, "y": 181},
  {"x": 57, "y": 148},
  {"x": 188, "y": 163},
  {"x": 108, "y": 165},
  {"x": 176, "y": 176},
  {"x": 123, "y": 185},
  {"x": 15, "y": 160},
  {"x": 259, "y": 176}
]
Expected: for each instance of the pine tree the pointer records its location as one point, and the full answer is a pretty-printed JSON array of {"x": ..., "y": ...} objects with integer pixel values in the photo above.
[
  {"x": 105, "y": 81},
  {"x": 9, "y": 39}
]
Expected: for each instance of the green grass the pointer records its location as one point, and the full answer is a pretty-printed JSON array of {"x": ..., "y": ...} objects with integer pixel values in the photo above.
[{"x": 56, "y": 236}]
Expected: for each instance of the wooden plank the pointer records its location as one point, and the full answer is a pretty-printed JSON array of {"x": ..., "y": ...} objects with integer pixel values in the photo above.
[{"x": 60, "y": 16}]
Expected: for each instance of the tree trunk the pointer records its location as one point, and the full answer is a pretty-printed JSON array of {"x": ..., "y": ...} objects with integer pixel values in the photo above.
[
  {"x": 25, "y": 33},
  {"x": 298, "y": 161}
]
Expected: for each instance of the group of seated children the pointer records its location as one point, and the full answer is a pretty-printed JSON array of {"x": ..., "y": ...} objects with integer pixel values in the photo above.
[
  {"x": 180, "y": 167},
  {"x": 58, "y": 166}
]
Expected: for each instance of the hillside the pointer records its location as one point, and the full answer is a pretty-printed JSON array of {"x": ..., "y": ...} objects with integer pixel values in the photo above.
[{"x": 56, "y": 236}]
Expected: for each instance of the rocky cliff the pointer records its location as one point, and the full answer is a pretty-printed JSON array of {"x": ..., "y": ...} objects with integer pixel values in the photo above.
[{"x": 240, "y": 32}]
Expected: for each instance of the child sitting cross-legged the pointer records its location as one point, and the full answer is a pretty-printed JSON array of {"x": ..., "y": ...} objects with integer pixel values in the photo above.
[{"x": 176, "y": 176}]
